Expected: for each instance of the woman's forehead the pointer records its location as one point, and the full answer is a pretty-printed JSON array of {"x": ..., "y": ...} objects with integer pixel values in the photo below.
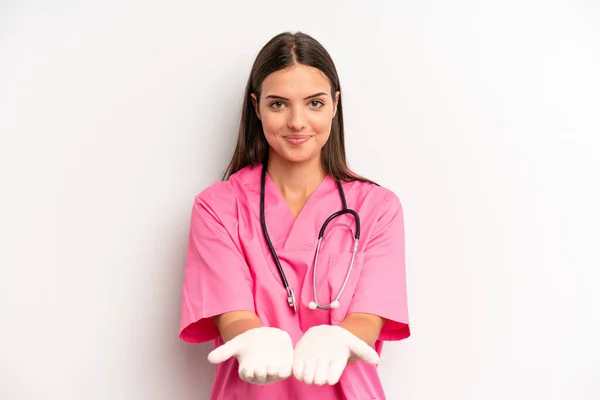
[{"x": 298, "y": 81}]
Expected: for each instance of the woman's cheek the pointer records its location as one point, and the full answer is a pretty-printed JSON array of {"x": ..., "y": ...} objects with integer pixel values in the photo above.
[{"x": 272, "y": 125}]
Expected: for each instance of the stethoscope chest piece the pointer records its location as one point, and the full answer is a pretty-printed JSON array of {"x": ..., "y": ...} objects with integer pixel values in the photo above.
[{"x": 313, "y": 305}]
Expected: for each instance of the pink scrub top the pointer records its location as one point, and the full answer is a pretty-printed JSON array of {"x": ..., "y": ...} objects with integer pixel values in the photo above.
[{"x": 229, "y": 267}]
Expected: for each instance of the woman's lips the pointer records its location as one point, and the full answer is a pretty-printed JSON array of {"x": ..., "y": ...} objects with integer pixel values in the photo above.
[{"x": 296, "y": 140}]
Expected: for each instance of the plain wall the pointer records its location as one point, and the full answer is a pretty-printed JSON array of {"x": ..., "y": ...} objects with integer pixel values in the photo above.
[{"x": 481, "y": 116}]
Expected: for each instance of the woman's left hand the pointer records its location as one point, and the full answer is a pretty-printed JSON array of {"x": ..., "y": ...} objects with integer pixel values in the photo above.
[{"x": 321, "y": 355}]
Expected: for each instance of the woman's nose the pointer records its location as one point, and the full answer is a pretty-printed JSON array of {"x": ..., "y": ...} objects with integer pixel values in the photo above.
[{"x": 297, "y": 119}]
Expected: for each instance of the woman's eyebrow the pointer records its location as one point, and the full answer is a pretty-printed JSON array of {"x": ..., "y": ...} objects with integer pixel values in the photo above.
[{"x": 274, "y": 96}]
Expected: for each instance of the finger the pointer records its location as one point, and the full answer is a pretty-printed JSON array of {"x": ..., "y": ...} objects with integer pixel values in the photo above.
[
  {"x": 260, "y": 374},
  {"x": 272, "y": 369},
  {"x": 271, "y": 379},
  {"x": 309, "y": 371},
  {"x": 279, "y": 371},
  {"x": 298, "y": 369},
  {"x": 223, "y": 352},
  {"x": 321, "y": 372},
  {"x": 246, "y": 372},
  {"x": 284, "y": 371},
  {"x": 336, "y": 368},
  {"x": 362, "y": 350}
]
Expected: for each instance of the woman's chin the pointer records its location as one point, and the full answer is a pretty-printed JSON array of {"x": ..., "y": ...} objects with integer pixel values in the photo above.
[{"x": 298, "y": 157}]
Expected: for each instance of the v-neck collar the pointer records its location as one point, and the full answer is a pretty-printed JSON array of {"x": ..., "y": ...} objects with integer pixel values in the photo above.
[
  {"x": 286, "y": 232},
  {"x": 299, "y": 235}
]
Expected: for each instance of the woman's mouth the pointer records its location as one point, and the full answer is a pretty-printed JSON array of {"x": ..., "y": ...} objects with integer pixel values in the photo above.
[{"x": 297, "y": 140}]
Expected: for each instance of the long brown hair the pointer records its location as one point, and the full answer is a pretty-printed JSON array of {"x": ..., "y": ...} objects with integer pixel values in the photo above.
[{"x": 282, "y": 51}]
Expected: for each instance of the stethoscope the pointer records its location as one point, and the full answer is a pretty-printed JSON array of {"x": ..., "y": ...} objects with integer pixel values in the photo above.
[{"x": 313, "y": 305}]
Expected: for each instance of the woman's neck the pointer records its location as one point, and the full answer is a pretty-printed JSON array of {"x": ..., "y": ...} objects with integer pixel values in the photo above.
[{"x": 295, "y": 181}]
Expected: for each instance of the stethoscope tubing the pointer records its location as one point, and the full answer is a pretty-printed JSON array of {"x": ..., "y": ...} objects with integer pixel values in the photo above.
[{"x": 345, "y": 210}]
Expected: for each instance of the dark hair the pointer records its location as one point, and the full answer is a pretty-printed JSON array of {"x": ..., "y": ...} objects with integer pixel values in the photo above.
[{"x": 282, "y": 51}]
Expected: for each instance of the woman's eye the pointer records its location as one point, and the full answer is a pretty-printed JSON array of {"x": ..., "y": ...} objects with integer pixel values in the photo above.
[
  {"x": 316, "y": 103},
  {"x": 276, "y": 104}
]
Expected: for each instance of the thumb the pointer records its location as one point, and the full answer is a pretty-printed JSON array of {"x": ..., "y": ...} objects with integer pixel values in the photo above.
[
  {"x": 362, "y": 350},
  {"x": 224, "y": 352}
]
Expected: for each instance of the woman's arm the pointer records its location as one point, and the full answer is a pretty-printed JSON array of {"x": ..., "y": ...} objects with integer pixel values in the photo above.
[
  {"x": 233, "y": 323},
  {"x": 381, "y": 288},
  {"x": 364, "y": 326}
]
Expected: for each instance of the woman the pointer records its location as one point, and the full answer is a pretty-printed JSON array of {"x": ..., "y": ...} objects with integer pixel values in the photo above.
[{"x": 293, "y": 316}]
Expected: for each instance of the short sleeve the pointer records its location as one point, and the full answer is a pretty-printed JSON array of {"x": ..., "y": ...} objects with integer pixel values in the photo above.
[
  {"x": 381, "y": 289},
  {"x": 216, "y": 276}
]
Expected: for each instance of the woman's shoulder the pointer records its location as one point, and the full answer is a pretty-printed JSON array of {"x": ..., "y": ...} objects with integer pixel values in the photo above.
[
  {"x": 377, "y": 204},
  {"x": 226, "y": 193},
  {"x": 372, "y": 192},
  {"x": 218, "y": 192}
]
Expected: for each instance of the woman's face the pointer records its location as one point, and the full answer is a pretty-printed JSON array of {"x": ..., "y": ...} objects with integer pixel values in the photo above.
[{"x": 296, "y": 110}]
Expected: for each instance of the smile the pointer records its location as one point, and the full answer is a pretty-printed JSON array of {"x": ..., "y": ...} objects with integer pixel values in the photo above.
[{"x": 296, "y": 140}]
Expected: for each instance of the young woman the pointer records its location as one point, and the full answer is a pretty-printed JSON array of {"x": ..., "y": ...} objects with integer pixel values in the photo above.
[{"x": 295, "y": 265}]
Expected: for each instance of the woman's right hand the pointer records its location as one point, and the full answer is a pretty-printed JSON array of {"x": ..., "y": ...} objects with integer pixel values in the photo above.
[{"x": 265, "y": 354}]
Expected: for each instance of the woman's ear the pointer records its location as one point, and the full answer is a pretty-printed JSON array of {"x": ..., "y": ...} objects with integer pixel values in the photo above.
[
  {"x": 255, "y": 103},
  {"x": 335, "y": 103}
]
